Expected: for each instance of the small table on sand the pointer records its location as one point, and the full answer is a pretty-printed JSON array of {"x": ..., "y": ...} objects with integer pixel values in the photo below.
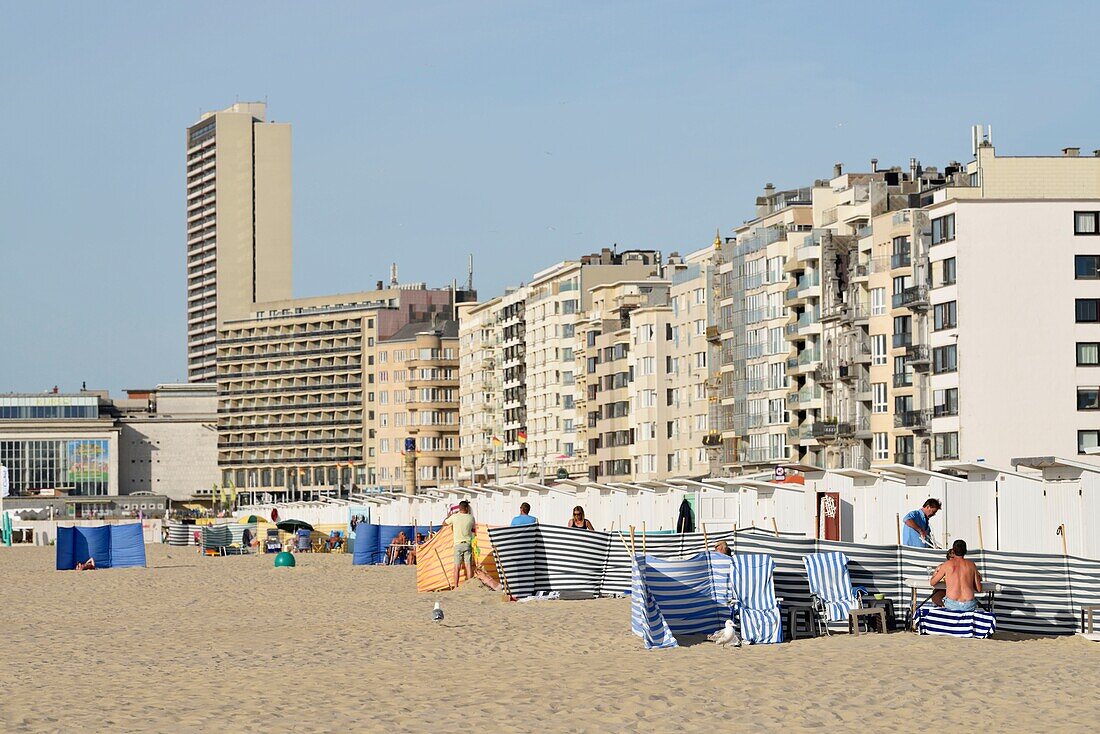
[{"x": 915, "y": 583}]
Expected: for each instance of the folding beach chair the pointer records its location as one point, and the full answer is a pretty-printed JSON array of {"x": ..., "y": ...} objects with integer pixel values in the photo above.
[
  {"x": 831, "y": 588},
  {"x": 754, "y": 602}
]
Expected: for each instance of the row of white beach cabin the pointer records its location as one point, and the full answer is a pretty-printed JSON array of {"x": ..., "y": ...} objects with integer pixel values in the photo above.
[{"x": 1041, "y": 505}]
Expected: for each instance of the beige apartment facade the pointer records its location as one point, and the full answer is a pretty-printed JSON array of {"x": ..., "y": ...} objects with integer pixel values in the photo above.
[
  {"x": 622, "y": 380},
  {"x": 417, "y": 416},
  {"x": 238, "y": 212}
]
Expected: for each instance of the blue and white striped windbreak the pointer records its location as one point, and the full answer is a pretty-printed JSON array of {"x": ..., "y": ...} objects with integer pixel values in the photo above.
[
  {"x": 754, "y": 598},
  {"x": 831, "y": 583},
  {"x": 939, "y": 621},
  {"x": 671, "y": 597}
]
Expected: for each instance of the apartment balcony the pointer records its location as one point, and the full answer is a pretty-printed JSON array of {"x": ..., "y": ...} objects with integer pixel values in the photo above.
[
  {"x": 903, "y": 457},
  {"x": 824, "y": 375},
  {"x": 807, "y": 358},
  {"x": 792, "y": 365},
  {"x": 861, "y": 271},
  {"x": 713, "y": 335},
  {"x": 917, "y": 421},
  {"x": 919, "y": 356},
  {"x": 914, "y": 297},
  {"x": 809, "y": 323},
  {"x": 804, "y": 398},
  {"x": 901, "y": 260},
  {"x": 844, "y": 372},
  {"x": 845, "y": 429},
  {"x": 824, "y": 432},
  {"x": 834, "y": 312},
  {"x": 903, "y": 379},
  {"x": 859, "y": 313},
  {"x": 902, "y": 339},
  {"x": 862, "y": 351},
  {"x": 863, "y": 390}
]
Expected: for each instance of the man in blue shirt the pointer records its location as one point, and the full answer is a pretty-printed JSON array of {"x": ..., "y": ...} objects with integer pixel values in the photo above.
[
  {"x": 916, "y": 531},
  {"x": 524, "y": 516}
]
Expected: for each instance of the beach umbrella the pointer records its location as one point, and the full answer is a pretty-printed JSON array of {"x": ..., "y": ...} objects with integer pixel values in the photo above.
[
  {"x": 293, "y": 526},
  {"x": 250, "y": 519}
]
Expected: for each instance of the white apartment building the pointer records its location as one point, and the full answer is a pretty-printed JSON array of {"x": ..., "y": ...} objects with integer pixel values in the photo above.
[
  {"x": 238, "y": 223},
  {"x": 492, "y": 387},
  {"x": 945, "y": 311},
  {"x": 557, "y": 298}
]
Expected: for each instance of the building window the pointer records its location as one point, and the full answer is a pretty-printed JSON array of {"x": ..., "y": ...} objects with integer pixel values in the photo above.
[
  {"x": 1086, "y": 267},
  {"x": 878, "y": 301},
  {"x": 943, "y": 229},
  {"x": 903, "y": 450},
  {"x": 1086, "y": 223},
  {"x": 945, "y": 402},
  {"x": 903, "y": 373},
  {"x": 882, "y": 446},
  {"x": 1088, "y": 398},
  {"x": 1087, "y": 440},
  {"x": 945, "y": 316},
  {"x": 1088, "y": 310},
  {"x": 947, "y": 272},
  {"x": 903, "y": 331},
  {"x": 878, "y": 349},
  {"x": 946, "y": 445},
  {"x": 1088, "y": 354},
  {"x": 878, "y": 403},
  {"x": 945, "y": 359}
]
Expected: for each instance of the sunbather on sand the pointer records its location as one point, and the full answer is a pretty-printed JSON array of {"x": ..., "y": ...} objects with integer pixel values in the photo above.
[{"x": 88, "y": 565}]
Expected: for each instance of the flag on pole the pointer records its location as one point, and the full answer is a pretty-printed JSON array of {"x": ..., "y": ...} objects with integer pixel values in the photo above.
[
  {"x": 497, "y": 440},
  {"x": 521, "y": 436}
]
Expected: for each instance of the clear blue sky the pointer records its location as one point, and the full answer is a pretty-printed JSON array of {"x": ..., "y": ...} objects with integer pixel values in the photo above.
[{"x": 524, "y": 133}]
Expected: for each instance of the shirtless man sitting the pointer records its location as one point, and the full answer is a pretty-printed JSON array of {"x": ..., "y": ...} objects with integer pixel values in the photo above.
[{"x": 961, "y": 578}]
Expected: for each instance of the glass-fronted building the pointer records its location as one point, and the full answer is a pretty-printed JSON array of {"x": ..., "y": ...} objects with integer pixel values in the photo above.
[{"x": 58, "y": 445}]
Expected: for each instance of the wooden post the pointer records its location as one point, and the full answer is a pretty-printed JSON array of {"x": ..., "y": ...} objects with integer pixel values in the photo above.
[
  {"x": 443, "y": 569},
  {"x": 1062, "y": 532},
  {"x": 981, "y": 539},
  {"x": 633, "y": 547},
  {"x": 775, "y": 527},
  {"x": 897, "y": 518},
  {"x": 625, "y": 546},
  {"x": 645, "y": 550},
  {"x": 503, "y": 578},
  {"x": 706, "y": 541}
]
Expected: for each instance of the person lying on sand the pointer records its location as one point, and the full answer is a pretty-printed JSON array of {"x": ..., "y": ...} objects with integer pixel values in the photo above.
[{"x": 88, "y": 565}]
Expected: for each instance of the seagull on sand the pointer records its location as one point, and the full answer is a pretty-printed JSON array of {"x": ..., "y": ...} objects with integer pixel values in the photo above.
[
  {"x": 727, "y": 635},
  {"x": 437, "y": 613}
]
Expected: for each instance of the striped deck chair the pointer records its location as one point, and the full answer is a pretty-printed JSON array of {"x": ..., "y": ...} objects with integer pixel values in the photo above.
[
  {"x": 831, "y": 588},
  {"x": 754, "y": 602},
  {"x": 978, "y": 624}
]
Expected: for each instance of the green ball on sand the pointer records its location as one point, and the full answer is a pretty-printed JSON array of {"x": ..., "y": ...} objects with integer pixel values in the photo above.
[{"x": 284, "y": 560}]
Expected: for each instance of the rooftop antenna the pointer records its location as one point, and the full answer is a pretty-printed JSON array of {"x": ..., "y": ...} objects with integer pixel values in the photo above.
[
  {"x": 393, "y": 275},
  {"x": 470, "y": 274}
]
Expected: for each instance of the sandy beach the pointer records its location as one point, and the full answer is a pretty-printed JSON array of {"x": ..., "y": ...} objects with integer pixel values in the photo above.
[{"x": 233, "y": 644}]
